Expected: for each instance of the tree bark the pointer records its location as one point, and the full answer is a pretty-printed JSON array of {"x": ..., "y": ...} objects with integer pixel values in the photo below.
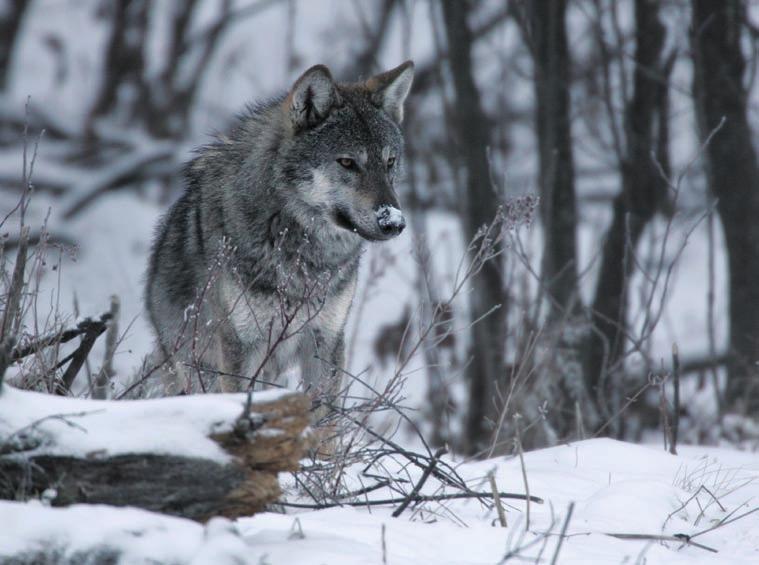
[
  {"x": 634, "y": 206},
  {"x": 124, "y": 91},
  {"x": 548, "y": 42},
  {"x": 11, "y": 17},
  {"x": 266, "y": 438},
  {"x": 557, "y": 381},
  {"x": 480, "y": 203},
  {"x": 733, "y": 177}
]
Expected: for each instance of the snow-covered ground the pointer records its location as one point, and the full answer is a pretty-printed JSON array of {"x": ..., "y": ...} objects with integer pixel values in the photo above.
[{"x": 617, "y": 488}]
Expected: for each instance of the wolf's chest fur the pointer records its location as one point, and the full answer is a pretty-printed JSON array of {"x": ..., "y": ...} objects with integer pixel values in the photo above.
[
  {"x": 288, "y": 300},
  {"x": 278, "y": 324}
]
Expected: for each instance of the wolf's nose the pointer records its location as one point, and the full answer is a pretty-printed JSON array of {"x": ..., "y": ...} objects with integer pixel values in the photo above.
[
  {"x": 393, "y": 229},
  {"x": 390, "y": 220}
]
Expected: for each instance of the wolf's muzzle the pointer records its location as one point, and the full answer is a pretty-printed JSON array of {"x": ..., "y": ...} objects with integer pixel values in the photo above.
[{"x": 390, "y": 220}]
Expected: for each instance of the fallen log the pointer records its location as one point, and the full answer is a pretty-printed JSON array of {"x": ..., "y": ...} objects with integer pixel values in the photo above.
[{"x": 191, "y": 456}]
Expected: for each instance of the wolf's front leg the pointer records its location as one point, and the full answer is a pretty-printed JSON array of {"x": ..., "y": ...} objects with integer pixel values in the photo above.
[
  {"x": 321, "y": 362},
  {"x": 322, "y": 359},
  {"x": 229, "y": 362}
]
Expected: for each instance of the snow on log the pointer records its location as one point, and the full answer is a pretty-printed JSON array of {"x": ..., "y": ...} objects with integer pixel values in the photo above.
[{"x": 191, "y": 456}]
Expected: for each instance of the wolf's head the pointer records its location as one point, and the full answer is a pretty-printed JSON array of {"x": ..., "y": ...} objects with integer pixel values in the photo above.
[{"x": 343, "y": 150}]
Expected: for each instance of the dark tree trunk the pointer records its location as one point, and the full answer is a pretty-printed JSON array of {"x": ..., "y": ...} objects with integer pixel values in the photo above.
[
  {"x": 123, "y": 90},
  {"x": 10, "y": 25},
  {"x": 480, "y": 204},
  {"x": 173, "y": 97},
  {"x": 548, "y": 41},
  {"x": 635, "y": 205},
  {"x": 167, "y": 101},
  {"x": 558, "y": 378},
  {"x": 733, "y": 177}
]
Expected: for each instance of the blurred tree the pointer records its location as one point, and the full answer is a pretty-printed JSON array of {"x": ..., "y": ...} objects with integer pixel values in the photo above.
[
  {"x": 543, "y": 26},
  {"x": 547, "y": 39},
  {"x": 634, "y": 206},
  {"x": 733, "y": 177},
  {"x": 480, "y": 202},
  {"x": 11, "y": 17},
  {"x": 161, "y": 103},
  {"x": 123, "y": 89}
]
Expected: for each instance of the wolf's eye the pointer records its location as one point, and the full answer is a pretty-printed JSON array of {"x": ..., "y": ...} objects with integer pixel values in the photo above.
[
  {"x": 390, "y": 162},
  {"x": 346, "y": 162}
]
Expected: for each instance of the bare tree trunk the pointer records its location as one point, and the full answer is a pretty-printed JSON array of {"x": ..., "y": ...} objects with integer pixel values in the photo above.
[
  {"x": 165, "y": 101},
  {"x": 558, "y": 380},
  {"x": 733, "y": 177},
  {"x": 480, "y": 203},
  {"x": 11, "y": 17},
  {"x": 548, "y": 42},
  {"x": 633, "y": 208},
  {"x": 123, "y": 89}
]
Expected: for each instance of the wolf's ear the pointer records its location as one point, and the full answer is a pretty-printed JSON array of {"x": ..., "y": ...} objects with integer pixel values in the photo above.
[
  {"x": 389, "y": 89},
  {"x": 311, "y": 98}
]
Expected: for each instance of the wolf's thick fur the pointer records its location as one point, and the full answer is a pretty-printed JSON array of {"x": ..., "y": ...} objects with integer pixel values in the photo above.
[{"x": 256, "y": 264}]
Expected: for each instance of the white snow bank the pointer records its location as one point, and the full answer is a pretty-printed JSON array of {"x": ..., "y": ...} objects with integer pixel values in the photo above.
[
  {"x": 616, "y": 487},
  {"x": 135, "y": 536},
  {"x": 173, "y": 426}
]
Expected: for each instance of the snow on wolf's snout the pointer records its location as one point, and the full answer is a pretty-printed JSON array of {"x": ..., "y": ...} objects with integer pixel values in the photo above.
[{"x": 353, "y": 156}]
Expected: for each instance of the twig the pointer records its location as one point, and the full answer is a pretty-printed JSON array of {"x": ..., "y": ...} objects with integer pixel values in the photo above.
[
  {"x": 630, "y": 401},
  {"x": 5, "y": 358},
  {"x": 454, "y": 481},
  {"x": 80, "y": 355},
  {"x": 417, "y": 498},
  {"x": 17, "y": 284},
  {"x": 518, "y": 445},
  {"x": 384, "y": 546},
  {"x": 655, "y": 537},
  {"x": 579, "y": 421},
  {"x": 563, "y": 533},
  {"x": 692, "y": 497},
  {"x": 710, "y": 324},
  {"x": 366, "y": 490},
  {"x": 497, "y": 499},
  {"x": 60, "y": 337},
  {"x": 100, "y": 390},
  {"x": 35, "y": 238},
  {"x": 415, "y": 491},
  {"x": 664, "y": 412},
  {"x": 12, "y": 304},
  {"x": 676, "y": 400},
  {"x": 725, "y": 522}
]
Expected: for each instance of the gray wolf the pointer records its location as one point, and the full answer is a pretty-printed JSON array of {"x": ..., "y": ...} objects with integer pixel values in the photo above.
[{"x": 253, "y": 269}]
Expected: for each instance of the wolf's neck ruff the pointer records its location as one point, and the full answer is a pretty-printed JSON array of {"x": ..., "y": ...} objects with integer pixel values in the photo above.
[{"x": 267, "y": 238}]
